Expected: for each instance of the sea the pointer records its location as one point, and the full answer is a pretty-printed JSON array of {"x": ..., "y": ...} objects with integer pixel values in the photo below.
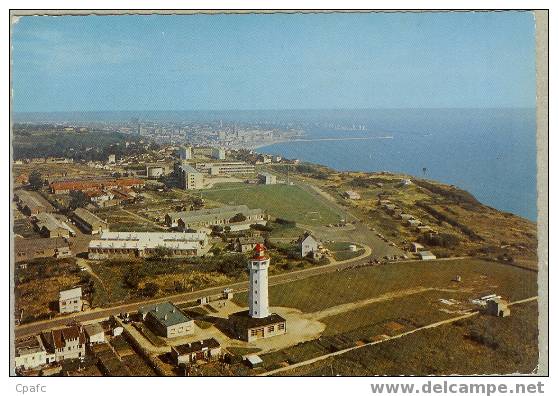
[{"x": 491, "y": 153}]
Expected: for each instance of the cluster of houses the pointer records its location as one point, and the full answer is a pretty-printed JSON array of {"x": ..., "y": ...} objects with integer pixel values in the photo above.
[
  {"x": 412, "y": 222},
  {"x": 57, "y": 345}
]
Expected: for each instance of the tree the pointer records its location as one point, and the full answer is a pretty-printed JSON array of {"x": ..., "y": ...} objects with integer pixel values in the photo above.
[
  {"x": 150, "y": 289},
  {"x": 132, "y": 278},
  {"x": 78, "y": 199},
  {"x": 35, "y": 180},
  {"x": 237, "y": 218},
  {"x": 161, "y": 251}
]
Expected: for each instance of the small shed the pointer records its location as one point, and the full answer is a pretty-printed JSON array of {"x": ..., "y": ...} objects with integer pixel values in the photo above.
[
  {"x": 426, "y": 255},
  {"x": 254, "y": 361}
]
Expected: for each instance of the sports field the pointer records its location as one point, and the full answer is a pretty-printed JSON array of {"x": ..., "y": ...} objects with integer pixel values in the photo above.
[{"x": 279, "y": 200}]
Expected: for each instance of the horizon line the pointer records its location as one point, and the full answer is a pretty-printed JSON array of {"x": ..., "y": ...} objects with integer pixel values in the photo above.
[{"x": 287, "y": 109}]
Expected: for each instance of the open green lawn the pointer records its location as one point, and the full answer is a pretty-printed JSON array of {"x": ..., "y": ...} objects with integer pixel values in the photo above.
[
  {"x": 330, "y": 289},
  {"x": 279, "y": 200}
]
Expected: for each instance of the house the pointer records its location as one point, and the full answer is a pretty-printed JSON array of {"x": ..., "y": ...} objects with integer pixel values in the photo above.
[
  {"x": 70, "y": 300},
  {"x": 89, "y": 222},
  {"x": 31, "y": 248},
  {"x": 244, "y": 245},
  {"x": 94, "y": 333},
  {"x": 406, "y": 182},
  {"x": 424, "y": 229},
  {"x": 167, "y": 320},
  {"x": 413, "y": 223},
  {"x": 30, "y": 353},
  {"x": 267, "y": 178},
  {"x": 308, "y": 244},
  {"x": 206, "y": 350},
  {"x": 406, "y": 216},
  {"x": 416, "y": 247},
  {"x": 66, "y": 343},
  {"x": 497, "y": 307},
  {"x": 426, "y": 255},
  {"x": 350, "y": 194},
  {"x": 65, "y": 186}
]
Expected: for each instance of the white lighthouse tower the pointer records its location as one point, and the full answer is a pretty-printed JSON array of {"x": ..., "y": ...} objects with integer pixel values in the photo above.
[{"x": 258, "y": 301}]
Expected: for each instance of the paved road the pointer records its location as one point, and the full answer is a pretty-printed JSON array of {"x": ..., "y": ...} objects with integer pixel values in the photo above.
[{"x": 102, "y": 313}]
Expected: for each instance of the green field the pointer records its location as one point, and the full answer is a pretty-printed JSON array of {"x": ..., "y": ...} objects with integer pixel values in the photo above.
[
  {"x": 479, "y": 345},
  {"x": 330, "y": 289},
  {"x": 279, "y": 200}
]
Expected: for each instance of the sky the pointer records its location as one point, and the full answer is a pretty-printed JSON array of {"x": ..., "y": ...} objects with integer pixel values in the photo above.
[{"x": 278, "y": 61}]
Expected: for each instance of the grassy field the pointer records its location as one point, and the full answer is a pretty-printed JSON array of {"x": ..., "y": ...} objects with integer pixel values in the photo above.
[
  {"x": 480, "y": 277},
  {"x": 279, "y": 200},
  {"x": 478, "y": 345}
]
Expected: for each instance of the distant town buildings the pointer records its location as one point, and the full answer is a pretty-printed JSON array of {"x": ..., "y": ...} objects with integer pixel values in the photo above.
[
  {"x": 146, "y": 244},
  {"x": 167, "y": 320},
  {"x": 70, "y": 300}
]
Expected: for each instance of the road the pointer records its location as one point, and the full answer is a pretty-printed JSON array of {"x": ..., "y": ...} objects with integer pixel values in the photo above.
[{"x": 102, "y": 313}]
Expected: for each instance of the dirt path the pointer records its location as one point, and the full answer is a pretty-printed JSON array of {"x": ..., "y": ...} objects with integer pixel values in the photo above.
[{"x": 339, "y": 309}]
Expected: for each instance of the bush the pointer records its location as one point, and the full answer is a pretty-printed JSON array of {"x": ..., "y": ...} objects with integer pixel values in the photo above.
[
  {"x": 237, "y": 218},
  {"x": 150, "y": 289},
  {"x": 285, "y": 222}
]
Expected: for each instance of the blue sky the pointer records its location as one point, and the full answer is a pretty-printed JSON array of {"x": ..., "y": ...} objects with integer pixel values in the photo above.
[{"x": 280, "y": 61}]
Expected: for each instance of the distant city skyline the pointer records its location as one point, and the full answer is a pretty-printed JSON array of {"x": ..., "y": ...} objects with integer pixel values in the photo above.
[{"x": 274, "y": 61}]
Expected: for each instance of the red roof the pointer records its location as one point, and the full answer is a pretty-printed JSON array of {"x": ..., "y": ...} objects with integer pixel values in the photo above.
[
  {"x": 59, "y": 336},
  {"x": 259, "y": 252},
  {"x": 94, "y": 184}
]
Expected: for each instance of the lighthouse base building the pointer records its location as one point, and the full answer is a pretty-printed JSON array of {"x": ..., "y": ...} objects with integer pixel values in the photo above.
[
  {"x": 257, "y": 322},
  {"x": 250, "y": 329}
]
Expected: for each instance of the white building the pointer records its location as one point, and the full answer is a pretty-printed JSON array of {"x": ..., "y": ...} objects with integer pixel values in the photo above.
[
  {"x": 146, "y": 244},
  {"x": 218, "y": 153},
  {"x": 267, "y": 178},
  {"x": 190, "y": 178},
  {"x": 308, "y": 244},
  {"x": 258, "y": 301},
  {"x": 30, "y": 353},
  {"x": 426, "y": 255},
  {"x": 185, "y": 152},
  {"x": 111, "y": 159},
  {"x": 155, "y": 172},
  {"x": 350, "y": 194},
  {"x": 94, "y": 333},
  {"x": 167, "y": 320},
  {"x": 70, "y": 300}
]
